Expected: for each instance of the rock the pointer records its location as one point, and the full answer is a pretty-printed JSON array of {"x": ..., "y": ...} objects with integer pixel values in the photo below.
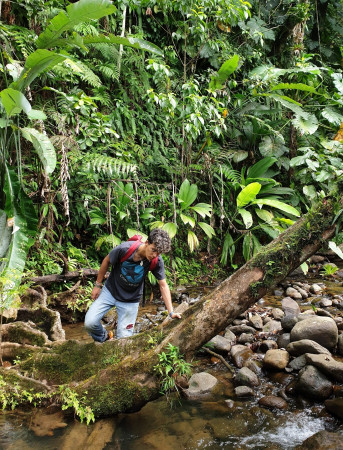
[
  {"x": 298, "y": 363},
  {"x": 272, "y": 401},
  {"x": 323, "y": 440},
  {"x": 240, "y": 354},
  {"x": 246, "y": 377},
  {"x": 245, "y": 338},
  {"x": 268, "y": 344},
  {"x": 322, "y": 330},
  {"x": 255, "y": 366},
  {"x": 315, "y": 259},
  {"x": 278, "y": 292},
  {"x": 276, "y": 359},
  {"x": 302, "y": 291},
  {"x": 43, "y": 423},
  {"x": 312, "y": 383},
  {"x": 315, "y": 289},
  {"x": 266, "y": 320},
  {"x": 290, "y": 306},
  {"x": 221, "y": 344},
  {"x": 200, "y": 384},
  {"x": 281, "y": 378},
  {"x": 325, "y": 302},
  {"x": 24, "y": 333},
  {"x": 288, "y": 322},
  {"x": 239, "y": 329},
  {"x": 323, "y": 313},
  {"x": 277, "y": 313},
  {"x": 283, "y": 340},
  {"x": 230, "y": 336},
  {"x": 335, "y": 406},
  {"x": 340, "y": 345},
  {"x": 244, "y": 391},
  {"x": 256, "y": 321},
  {"x": 328, "y": 365},
  {"x": 272, "y": 326},
  {"x": 293, "y": 293},
  {"x": 303, "y": 346}
]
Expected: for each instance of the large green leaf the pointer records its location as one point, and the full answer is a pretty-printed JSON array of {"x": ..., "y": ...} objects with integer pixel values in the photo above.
[
  {"x": 277, "y": 204},
  {"x": 307, "y": 125},
  {"x": 187, "y": 194},
  {"x": 203, "y": 209},
  {"x": 297, "y": 86},
  {"x": 170, "y": 228},
  {"x": 209, "y": 231},
  {"x": 43, "y": 147},
  {"x": 332, "y": 115},
  {"x": 247, "y": 217},
  {"x": 265, "y": 215},
  {"x": 224, "y": 72},
  {"x": 138, "y": 43},
  {"x": 5, "y": 233},
  {"x": 79, "y": 12},
  {"x": 14, "y": 102},
  {"x": 248, "y": 194},
  {"x": 188, "y": 219},
  {"x": 336, "y": 249},
  {"x": 258, "y": 169},
  {"x": 192, "y": 240},
  {"x": 228, "y": 248}
]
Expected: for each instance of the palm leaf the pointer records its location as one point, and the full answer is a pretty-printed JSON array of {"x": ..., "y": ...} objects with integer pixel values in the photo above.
[
  {"x": 248, "y": 194},
  {"x": 187, "y": 194},
  {"x": 192, "y": 240},
  {"x": 277, "y": 204},
  {"x": 133, "y": 42},
  {"x": 107, "y": 165},
  {"x": 43, "y": 147},
  {"x": 258, "y": 169},
  {"x": 209, "y": 231}
]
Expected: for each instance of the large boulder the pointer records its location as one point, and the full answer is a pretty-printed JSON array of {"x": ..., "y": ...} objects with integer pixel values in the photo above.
[
  {"x": 322, "y": 330},
  {"x": 312, "y": 383},
  {"x": 326, "y": 364},
  {"x": 323, "y": 440},
  {"x": 298, "y": 348}
]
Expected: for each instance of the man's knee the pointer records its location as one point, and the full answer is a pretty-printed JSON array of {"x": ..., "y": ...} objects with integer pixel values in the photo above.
[{"x": 90, "y": 322}]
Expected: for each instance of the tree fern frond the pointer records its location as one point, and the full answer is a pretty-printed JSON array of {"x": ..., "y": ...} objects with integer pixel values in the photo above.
[
  {"x": 86, "y": 29},
  {"x": 109, "y": 70},
  {"x": 107, "y": 165},
  {"x": 108, "y": 51},
  {"x": 230, "y": 173},
  {"x": 84, "y": 72}
]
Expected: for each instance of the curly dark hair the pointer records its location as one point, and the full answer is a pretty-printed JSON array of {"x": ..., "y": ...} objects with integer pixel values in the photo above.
[{"x": 161, "y": 240}]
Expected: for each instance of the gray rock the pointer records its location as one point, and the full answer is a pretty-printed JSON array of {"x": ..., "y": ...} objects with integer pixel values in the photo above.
[
  {"x": 323, "y": 440},
  {"x": 315, "y": 259},
  {"x": 230, "y": 336},
  {"x": 256, "y": 321},
  {"x": 322, "y": 330},
  {"x": 276, "y": 359},
  {"x": 277, "y": 313},
  {"x": 293, "y": 293},
  {"x": 283, "y": 340},
  {"x": 266, "y": 320},
  {"x": 302, "y": 291},
  {"x": 325, "y": 302},
  {"x": 200, "y": 384},
  {"x": 303, "y": 346},
  {"x": 278, "y": 292},
  {"x": 335, "y": 406},
  {"x": 239, "y": 329},
  {"x": 328, "y": 365},
  {"x": 298, "y": 363},
  {"x": 267, "y": 344},
  {"x": 290, "y": 307},
  {"x": 316, "y": 289},
  {"x": 288, "y": 322},
  {"x": 221, "y": 344},
  {"x": 246, "y": 377},
  {"x": 272, "y": 401},
  {"x": 245, "y": 338},
  {"x": 340, "y": 345},
  {"x": 240, "y": 354},
  {"x": 312, "y": 383},
  {"x": 272, "y": 326},
  {"x": 254, "y": 365},
  {"x": 244, "y": 391}
]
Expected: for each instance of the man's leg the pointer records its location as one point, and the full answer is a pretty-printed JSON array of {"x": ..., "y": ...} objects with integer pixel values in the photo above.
[
  {"x": 127, "y": 315},
  {"x": 96, "y": 312}
]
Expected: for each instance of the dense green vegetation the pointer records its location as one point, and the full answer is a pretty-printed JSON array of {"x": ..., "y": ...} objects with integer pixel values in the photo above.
[{"x": 216, "y": 120}]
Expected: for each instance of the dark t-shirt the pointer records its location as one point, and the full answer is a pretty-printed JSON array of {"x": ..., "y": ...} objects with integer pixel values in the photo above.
[{"x": 126, "y": 279}]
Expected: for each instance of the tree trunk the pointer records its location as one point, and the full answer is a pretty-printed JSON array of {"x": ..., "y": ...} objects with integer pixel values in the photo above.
[{"x": 119, "y": 376}]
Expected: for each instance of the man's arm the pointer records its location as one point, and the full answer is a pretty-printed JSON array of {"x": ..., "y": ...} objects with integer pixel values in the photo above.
[
  {"x": 101, "y": 275},
  {"x": 165, "y": 292}
]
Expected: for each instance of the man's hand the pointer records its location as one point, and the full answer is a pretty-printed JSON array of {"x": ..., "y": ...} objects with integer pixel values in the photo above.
[
  {"x": 95, "y": 292},
  {"x": 175, "y": 316}
]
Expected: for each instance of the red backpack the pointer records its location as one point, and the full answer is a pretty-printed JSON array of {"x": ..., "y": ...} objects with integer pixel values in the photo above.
[{"x": 137, "y": 242}]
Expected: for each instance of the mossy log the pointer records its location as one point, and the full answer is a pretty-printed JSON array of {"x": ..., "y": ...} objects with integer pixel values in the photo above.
[{"x": 119, "y": 376}]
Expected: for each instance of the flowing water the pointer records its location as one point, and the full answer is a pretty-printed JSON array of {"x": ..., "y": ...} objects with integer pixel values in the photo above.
[{"x": 212, "y": 424}]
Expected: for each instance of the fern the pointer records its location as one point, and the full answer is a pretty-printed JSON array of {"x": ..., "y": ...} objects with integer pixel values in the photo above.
[
  {"x": 84, "y": 72},
  {"x": 108, "y": 51},
  {"x": 86, "y": 29},
  {"x": 231, "y": 174},
  {"x": 102, "y": 96},
  {"x": 107, "y": 165},
  {"x": 108, "y": 70}
]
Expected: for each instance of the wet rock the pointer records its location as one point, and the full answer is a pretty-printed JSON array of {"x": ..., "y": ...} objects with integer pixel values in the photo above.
[
  {"x": 272, "y": 326},
  {"x": 315, "y": 259},
  {"x": 277, "y": 313},
  {"x": 325, "y": 302},
  {"x": 230, "y": 336},
  {"x": 312, "y": 383},
  {"x": 293, "y": 293},
  {"x": 288, "y": 322},
  {"x": 254, "y": 365},
  {"x": 43, "y": 423},
  {"x": 290, "y": 307},
  {"x": 256, "y": 321},
  {"x": 276, "y": 359},
  {"x": 303, "y": 346},
  {"x": 323, "y": 440},
  {"x": 338, "y": 391},
  {"x": 335, "y": 406},
  {"x": 200, "y": 384},
  {"x": 221, "y": 344},
  {"x": 245, "y": 338},
  {"x": 240, "y": 354},
  {"x": 239, "y": 329},
  {"x": 268, "y": 344},
  {"x": 244, "y": 391},
  {"x": 316, "y": 289},
  {"x": 283, "y": 340},
  {"x": 272, "y": 401},
  {"x": 340, "y": 345},
  {"x": 322, "y": 330},
  {"x": 281, "y": 378},
  {"x": 302, "y": 291},
  {"x": 298, "y": 363},
  {"x": 328, "y": 365},
  {"x": 246, "y": 377}
]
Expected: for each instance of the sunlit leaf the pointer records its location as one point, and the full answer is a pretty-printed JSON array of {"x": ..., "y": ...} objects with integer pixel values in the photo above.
[
  {"x": 209, "y": 231},
  {"x": 248, "y": 194},
  {"x": 277, "y": 204},
  {"x": 192, "y": 240},
  {"x": 247, "y": 217}
]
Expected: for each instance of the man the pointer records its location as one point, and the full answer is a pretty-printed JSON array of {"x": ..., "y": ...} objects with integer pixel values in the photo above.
[{"x": 123, "y": 288}]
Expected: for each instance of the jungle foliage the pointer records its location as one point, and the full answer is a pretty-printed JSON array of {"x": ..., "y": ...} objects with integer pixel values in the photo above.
[{"x": 219, "y": 121}]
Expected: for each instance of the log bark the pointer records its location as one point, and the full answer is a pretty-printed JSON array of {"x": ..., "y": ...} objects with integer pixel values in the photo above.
[
  {"x": 119, "y": 376},
  {"x": 68, "y": 276}
]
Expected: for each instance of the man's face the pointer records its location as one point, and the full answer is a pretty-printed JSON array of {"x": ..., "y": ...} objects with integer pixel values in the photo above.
[{"x": 151, "y": 251}]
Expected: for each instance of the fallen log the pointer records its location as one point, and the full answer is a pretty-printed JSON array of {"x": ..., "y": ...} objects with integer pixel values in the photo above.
[
  {"x": 119, "y": 376},
  {"x": 67, "y": 276}
]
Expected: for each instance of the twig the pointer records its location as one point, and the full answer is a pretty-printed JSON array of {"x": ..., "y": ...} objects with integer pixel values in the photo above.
[{"x": 220, "y": 357}]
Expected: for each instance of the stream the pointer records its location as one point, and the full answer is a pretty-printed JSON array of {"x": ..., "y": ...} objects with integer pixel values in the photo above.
[{"x": 219, "y": 422}]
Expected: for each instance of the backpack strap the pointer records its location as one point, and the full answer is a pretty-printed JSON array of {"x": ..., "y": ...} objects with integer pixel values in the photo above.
[
  {"x": 132, "y": 249},
  {"x": 153, "y": 263}
]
